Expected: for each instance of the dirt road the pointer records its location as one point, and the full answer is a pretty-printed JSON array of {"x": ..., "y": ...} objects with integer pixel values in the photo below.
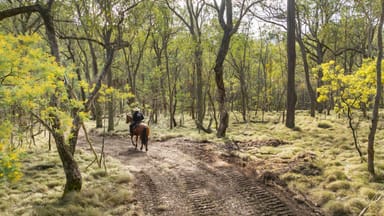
[{"x": 180, "y": 177}]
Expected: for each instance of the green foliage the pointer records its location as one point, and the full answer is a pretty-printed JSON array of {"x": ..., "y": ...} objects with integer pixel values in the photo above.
[{"x": 29, "y": 77}]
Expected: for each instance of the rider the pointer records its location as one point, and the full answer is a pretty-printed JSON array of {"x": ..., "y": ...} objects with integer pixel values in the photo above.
[{"x": 137, "y": 117}]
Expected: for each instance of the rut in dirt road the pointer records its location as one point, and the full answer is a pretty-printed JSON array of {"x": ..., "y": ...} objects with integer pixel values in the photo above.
[{"x": 177, "y": 178}]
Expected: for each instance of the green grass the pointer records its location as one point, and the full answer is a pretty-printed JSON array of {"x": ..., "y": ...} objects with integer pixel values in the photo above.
[
  {"x": 39, "y": 191},
  {"x": 341, "y": 187}
]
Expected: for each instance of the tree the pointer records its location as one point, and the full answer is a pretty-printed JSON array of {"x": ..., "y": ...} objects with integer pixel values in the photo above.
[
  {"x": 348, "y": 91},
  {"x": 194, "y": 20},
  {"x": 291, "y": 49},
  {"x": 379, "y": 89},
  {"x": 240, "y": 62},
  {"x": 161, "y": 40},
  {"x": 304, "y": 56},
  {"x": 54, "y": 124},
  {"x": 229, "y": 27},
  {"x": 314, "y": 19},
  {"x": 71, "y": 169}
]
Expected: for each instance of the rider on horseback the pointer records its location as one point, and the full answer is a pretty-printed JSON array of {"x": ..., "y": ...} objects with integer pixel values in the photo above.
[{"x": 137, "y": 117}]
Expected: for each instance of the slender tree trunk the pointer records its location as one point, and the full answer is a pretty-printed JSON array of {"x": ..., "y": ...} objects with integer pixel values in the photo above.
[
  {"x": 320, "y": 106},
  {"x": 170, "y": 91},
  {"x": 199, "y": 84},
  {"x": 219, "y": 78},
  {"x": 110, "y": 103},
  {"x": 311, "y": 92},
  {"x": 379, "y": 88},
  {"x": 98, "y": 112},
  {"x": 96, "y": 108},
  {"x": 291, "y": 92},
  {"x": 244, "y": 95}
]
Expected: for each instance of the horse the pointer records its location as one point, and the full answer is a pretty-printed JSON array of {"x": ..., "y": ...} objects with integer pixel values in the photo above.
[{"x": 141, "y": 130}]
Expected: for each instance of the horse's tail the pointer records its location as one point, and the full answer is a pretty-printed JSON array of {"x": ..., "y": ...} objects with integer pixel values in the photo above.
[{"x": 144, "y": 135}]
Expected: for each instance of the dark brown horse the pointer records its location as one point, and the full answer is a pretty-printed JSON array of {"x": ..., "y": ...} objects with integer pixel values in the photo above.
[{"x": 141, "y": 130}]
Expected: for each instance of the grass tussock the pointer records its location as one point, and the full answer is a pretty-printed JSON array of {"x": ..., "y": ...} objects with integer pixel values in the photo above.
[
  {"x": 337, "y": 208},
  {"x": 338, "y": 185},
  {"x": 124, "y": 178},
  {"x": 343, "y": 185},
  {"x": 324, "y": 125},
  {"x": 321, "y": 197},
  {"x": 39, "y": 191}
]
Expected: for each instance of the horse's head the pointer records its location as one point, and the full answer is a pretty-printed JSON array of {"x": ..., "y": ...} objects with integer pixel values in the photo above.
[{"x": 129, "y": 118}]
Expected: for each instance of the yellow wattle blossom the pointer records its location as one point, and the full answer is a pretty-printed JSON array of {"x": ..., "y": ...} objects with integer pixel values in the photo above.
[{"x": 348, "y": 90}]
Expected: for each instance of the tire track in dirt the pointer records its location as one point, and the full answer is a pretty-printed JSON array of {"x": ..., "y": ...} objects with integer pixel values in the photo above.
[
  {"x": 150, "y": 192},
  {"x": 202, "y": 203},
  {"x": 266, "y": 202},
  {"x": 179, "y": 177}
]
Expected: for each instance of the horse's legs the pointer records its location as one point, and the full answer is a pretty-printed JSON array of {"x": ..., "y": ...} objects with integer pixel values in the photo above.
[
  {"x": 141, "y": 148},
  {"x": 137, "y": 137},
  {"x": 133, "y": 143}
]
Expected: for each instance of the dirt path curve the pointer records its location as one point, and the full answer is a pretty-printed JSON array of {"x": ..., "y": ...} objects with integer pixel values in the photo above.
[{"x": 180, "y": 177}]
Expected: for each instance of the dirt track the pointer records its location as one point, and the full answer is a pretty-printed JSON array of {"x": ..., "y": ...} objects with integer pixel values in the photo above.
[{"x": 180, "y": 177}]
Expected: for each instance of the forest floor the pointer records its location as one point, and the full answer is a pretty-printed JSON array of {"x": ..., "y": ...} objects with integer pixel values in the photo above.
[
  {"x": 260, "y": 168},
  {"x": 179, "y": 176}
]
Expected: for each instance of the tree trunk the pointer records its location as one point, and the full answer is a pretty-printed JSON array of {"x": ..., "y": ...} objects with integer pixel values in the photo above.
[
  {"x": 97, "y": 110},
  {"x": 76, "y": 123},
  {"x": 199, "y": 83},
  {"x": 71, "y": 169},
  {"x": 379, "y": 88},
  {"x": 110, "y": 103},
  {"x": 170, "y": 91},
  {"x": 291, "y": 92},
  {"x": 98, "y": 113},
  {"x": 219, "y": 78},
  {"x": 311, "y": 92},
  {"x": 244, "y": 95}
]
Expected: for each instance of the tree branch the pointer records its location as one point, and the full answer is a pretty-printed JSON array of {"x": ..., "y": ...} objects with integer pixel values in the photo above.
[
  {"x": 93, "y": 94},
  {"x": 20, "y": 10},
  {"x": 267, "y": 20},
  {"x": 81, "y": 39},
  {"x": 49, "y": 128}
]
